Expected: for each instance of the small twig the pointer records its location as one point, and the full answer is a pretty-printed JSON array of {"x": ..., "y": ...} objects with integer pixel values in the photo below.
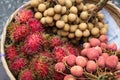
[{"x": 98, "y": 7}]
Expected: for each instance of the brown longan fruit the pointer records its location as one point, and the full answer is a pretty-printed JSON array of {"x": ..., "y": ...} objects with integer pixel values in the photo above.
[
  {"x": 78, "y": 33},
  {"x": 64, "y": 33},
  {"x": 84, "y": 15},
  {"x": 106, "y": 26},
  {"x": 78, "y": 1},
  {"x": 68, "y": 3},
  {"x": 73, "y": 1},
  {"x": 103, "y": 31},
  {"x": 100, "y": 25},
  {"x": 82, "y": 26},
  {"x": 73, "y": 10},
  {"x": 65, "y": 18},
  {"x": 66, "y": 27},
  {"x": 72, "y": 17},
  {"x": 86, "y": 33},
  {"x": 45, "y": 13},
  {"x": 64, "y": 9},
  {"x": 91, "y": 6},
  {"x": 61, "y": 2},
  {"x": 38, "y": 15},
  {"x": 43, "y": 20},
  {"x": 49, "y": 20},
  {"x": 73, "y": 28},
  {"x": 71, "y": 35},
  {"x": 77, "y": 20},
  {"x": 100, "y": 16},
  {"x": 50, "y": 12},
  {"x": 60, "y": 24},
  {"x": 57, "y": 17},
  {"x": 80, "y": 6},
  {"x": 90, "y": 26},
  {"x": 51, "y": 24},
  {"x": 34, "y": 3},
  {"x": 95, "y": 31},
  {"x": 57, "y": 8},
  {"x": 59, "y": 32},
  {"x": 41, "y": 7},
  {"x": 85, "y": 8}
]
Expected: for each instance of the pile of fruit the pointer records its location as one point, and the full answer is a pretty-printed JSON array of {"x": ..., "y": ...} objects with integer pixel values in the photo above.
[{"x": 59, "y": 40}]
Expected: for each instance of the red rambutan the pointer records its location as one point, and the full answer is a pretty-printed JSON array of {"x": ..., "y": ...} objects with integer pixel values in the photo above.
[
  {"x": 32, "y": 43},
  {"x": 17, "y": 64},
  {"x": 35, "y": 25},
  {"x": 24, "y": 15},
  {"x": 55, "y": 41},
  {"x": 26, "y": 75},
  {"x": 11, "y": 52},
  {"x": 59, "y": 53},
  {"x": 58, "y": 76},
  {"x": 20, "y": 32}
]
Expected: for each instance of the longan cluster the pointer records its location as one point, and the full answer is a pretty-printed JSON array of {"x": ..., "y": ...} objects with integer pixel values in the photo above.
[{"x": 70, "y": 18}]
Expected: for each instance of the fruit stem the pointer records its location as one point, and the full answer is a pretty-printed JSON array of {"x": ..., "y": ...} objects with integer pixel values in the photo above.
[{"x": 98, "y": 7}]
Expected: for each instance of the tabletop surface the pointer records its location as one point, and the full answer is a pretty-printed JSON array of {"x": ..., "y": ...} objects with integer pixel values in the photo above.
[{"x": 6, "y": 9}]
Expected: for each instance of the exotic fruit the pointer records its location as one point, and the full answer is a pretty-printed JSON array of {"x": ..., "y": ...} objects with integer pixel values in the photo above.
[
  {"x": 24, "y": 15},
  {"x": 42, "y": 67},
  {"x": 32, "y": 44},
  {"x": 11, "y": 52},
  {"x": 20, "y": 32},
  {"x": 55, "y": 41},
  {"x": 17, "y": 65},
  {"x": 35, "y": 25},
  {"x": 26, "y": 75}
]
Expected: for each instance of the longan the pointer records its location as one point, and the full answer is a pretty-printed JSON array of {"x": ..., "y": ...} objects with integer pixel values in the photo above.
[
  {"x": 78, "y": 33},
  {"x": 68, "y": 3},
  {"x": 34, "y": 3},
  {"x": 73, "y": 28},
  {"x": 38, "y": 15},
  {"x": 43, "y": 20},
  {"x": 71, "y": 35},
  {"x": 50, "y": 12},
  {"x": 57, "y": 8},
  {"x": 61, "y": 2},
  {"x": 41, "y": 7},
  {"x": 66, "y": 27},
  {"x": 57, "y": 17},
  {"x": 90, "y": 26},
  {"x": 64, "y": 33},
  {"x": 100, "y": 25},
  {"x": 95, "y": 31},
  {"x": 49, "y": 20},
  {"x": 103, "y": 31},
  {"x": 64, "y": 9},
  {"x": 86, "y": 33},
  {"x": 84, "y": 15},
  {"x": 72, "y": 17},
  {"x": 65, "y": 18},
  {"x": 83, "y": 26},
  {"x": 60, "y": 24},
  {"x": 73, "y": 10}
]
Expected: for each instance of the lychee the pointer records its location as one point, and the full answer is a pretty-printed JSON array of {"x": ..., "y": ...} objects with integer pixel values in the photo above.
[
  {"x": 94, "y": 42},
  {"x": 112, "y": 47},
  {"x": 76, "y": 71},
  {"x": 101, "y": 62},
  {"x": 60, "y": 67},
  {"x": 69, "y": 77},
  {"x": 81, "y": 61},
  {"x": 103, "y": 38},
  {"x": 71, "y": 60}
]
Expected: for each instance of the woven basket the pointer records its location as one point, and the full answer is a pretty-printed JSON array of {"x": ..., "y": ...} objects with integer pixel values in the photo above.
[{"x": 112, "y": 9}]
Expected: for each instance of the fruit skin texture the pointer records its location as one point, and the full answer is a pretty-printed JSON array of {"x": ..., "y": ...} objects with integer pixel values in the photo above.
[
  {"x": 35, "y": 25},
  {"x": 32, "y": 43},
  {"x": 105, "y": 55},
  {"x": 94, "y": 42},
  {"x": 59, "y": 53},
  {"x": 91, "y": 66},
  {"x": 59, "y": 67},
  {"x": 69, "y": 77},
  {"x": 93, "y": 54},
  {"x": 76, "y": 71},
  {"x": 101, "y": 62},
  {"x": 26, "y": 75},
  {"x": 112, "y": 61},
  {"x": 11, "y": 53},
  {"x": 81, "y": 61},
  {"x": 103, "y": 38},
  {"x": 20, "y": 32},
  {"x": 55, "y": 41},
  {"x": 71, "y": 60},
  {"x": 84, "y": 52},
  {"x": 112, "y": 47},
  {"x": 24, "y": 15},
  {"x": 17, "y": 64}
]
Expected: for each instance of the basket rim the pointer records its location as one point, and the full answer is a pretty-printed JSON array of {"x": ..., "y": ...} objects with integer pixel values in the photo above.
[{"x": 4, "y": 63}]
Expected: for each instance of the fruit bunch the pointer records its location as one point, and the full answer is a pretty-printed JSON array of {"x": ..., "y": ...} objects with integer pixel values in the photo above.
[
  {"x": 70, "y": 18},
  {"x": 97, "y": 60}
]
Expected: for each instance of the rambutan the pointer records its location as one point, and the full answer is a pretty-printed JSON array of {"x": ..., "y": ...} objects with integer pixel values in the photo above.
[
  {"x": 32, "y": 43},
  {"x": 42, "y": 68},
  {"x": 55, "y": 41},
  {"x": 20, "y": 32},
  {"x": 24, "y": 15},
  {"x": 17, "y": 64},
  {"x": 11, "y": 52},
  {"x": 59, "y": 53},
  {"x": 26, "y": 75},
  {"x": 35, "y": 25},
  {"x": 58, "y": 76}
]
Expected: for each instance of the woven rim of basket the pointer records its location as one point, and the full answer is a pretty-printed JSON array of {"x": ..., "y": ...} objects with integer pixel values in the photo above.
[{"x": 113, "y": 10}]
